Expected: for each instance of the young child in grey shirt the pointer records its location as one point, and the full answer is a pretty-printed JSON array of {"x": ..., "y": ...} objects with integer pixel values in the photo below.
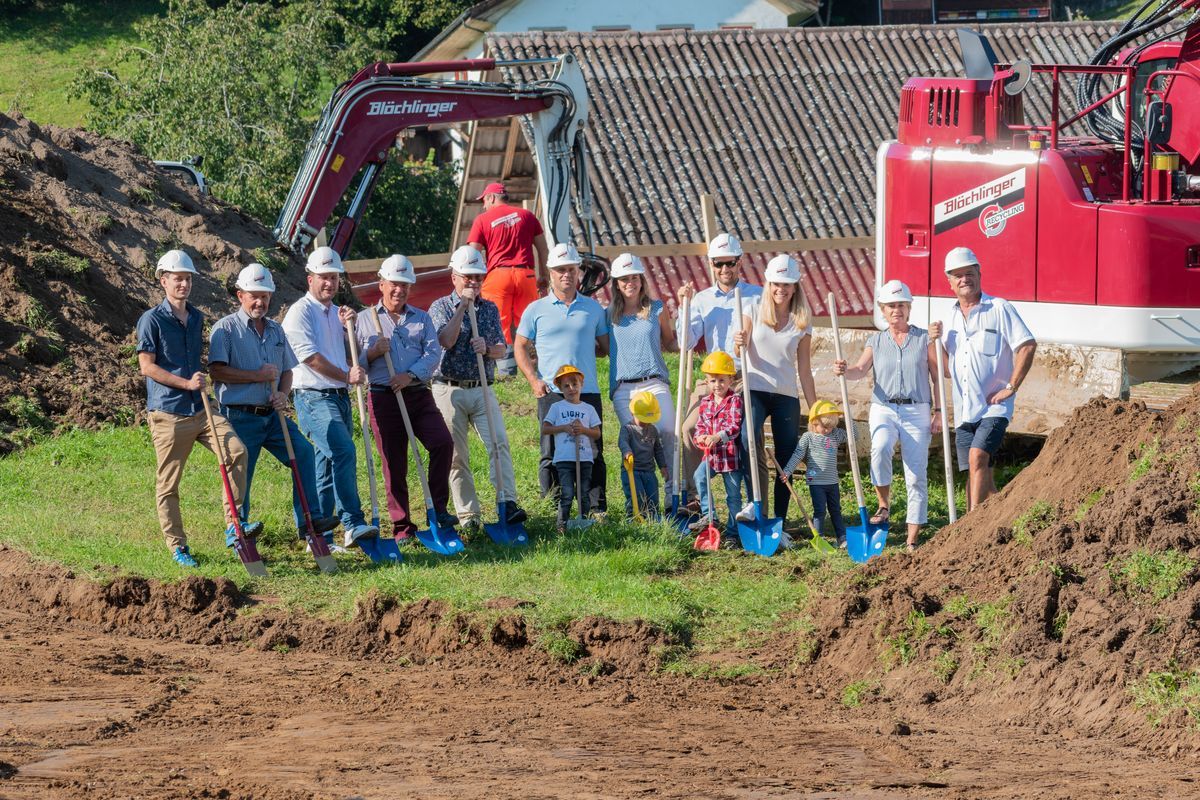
[
  {"x": 642, "y": 449},
  {"x": 818, "y": 449}
]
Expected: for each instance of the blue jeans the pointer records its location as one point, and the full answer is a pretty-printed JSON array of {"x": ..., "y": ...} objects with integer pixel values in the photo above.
[
  {"x": 568, "y": 491},
  {"x": 326, "y": 421},
  {"x": 646, "y": 481},
  {"x": 784, "y": 412},
  {"x": 258, "y": 432},
  {"x": 828, "y": 497},
  {"x": 733, "y": 494}
]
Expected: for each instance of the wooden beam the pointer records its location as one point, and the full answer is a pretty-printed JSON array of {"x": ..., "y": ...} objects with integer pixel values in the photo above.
[
  {"x": 708, "y": 215},
  {"x": 510, "y": 148}
]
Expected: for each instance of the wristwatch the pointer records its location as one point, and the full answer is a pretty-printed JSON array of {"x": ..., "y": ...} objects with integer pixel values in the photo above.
[{"x": 1010, "y": 387}]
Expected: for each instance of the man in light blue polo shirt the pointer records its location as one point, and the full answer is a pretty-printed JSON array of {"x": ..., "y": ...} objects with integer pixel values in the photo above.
[
  {"x": 566, "y": 328},
  {"x": 991, "y": 351},
  {"x": 247, "y": 354}
]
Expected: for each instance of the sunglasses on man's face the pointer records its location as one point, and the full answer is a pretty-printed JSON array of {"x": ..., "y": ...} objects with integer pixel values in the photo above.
[{"x": 725, "y": 264}]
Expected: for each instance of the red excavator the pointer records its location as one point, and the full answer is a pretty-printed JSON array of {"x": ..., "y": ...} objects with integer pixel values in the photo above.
[
  {"x": 359, "y": 126},
  {"x": 1093, "y": 234}
]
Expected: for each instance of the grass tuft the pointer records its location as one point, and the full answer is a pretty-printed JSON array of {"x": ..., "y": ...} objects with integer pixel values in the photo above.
[
  {"x": 1161, "y": 693},
  {"x": 1151, "y": 577},
  {"x": 1041, "y": 515},
  {"x": 59, "y": 263},
  {"x": 856, "y": 693}
]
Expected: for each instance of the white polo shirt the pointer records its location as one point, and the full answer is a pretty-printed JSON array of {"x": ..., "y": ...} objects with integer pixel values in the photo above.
[
  {"x": 313, "y": 328},
  {"x": 981, "y": 356}
]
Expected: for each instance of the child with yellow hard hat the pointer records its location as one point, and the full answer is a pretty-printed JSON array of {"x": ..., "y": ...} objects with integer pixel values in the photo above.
[
  {"x": 642, "y": 447},
  {"x": 718, "y": 433},
  {"x": 818, "y": 449}
]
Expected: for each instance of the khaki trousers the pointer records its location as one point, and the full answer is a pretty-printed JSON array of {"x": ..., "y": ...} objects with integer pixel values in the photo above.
[
  {"x": 461, "y": 409},
  {"x": 173, "y": 436}
]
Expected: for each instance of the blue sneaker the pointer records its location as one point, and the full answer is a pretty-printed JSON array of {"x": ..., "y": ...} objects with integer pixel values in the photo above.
[
  {"x": 183, "y": 557},
  {"x": 250, "y": 529}
]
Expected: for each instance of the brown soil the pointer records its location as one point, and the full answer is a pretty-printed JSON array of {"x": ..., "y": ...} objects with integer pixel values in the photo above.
[
  {"x": 135, "y": 689},
  {"x": 1069, "y": 637},
  {"x": 65, "y": 335}
]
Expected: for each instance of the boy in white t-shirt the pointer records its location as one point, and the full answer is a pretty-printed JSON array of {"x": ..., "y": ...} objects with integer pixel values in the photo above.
[{"x": 575, "y": 425}]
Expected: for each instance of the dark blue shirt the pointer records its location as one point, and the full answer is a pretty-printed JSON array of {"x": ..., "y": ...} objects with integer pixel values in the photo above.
[
  {"x": 176, "y": 348},
  {"x": 458, "y": 361}
]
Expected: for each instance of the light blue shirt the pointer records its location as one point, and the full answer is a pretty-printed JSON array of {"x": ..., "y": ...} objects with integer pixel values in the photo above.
[
  {"x": 981, "y": 349},
  {"x": 235, "y": 342},
  {"x": 901, "y": 372},
  {"x": 712, "y": 318},
  {"x": 565, "y": 334},
  {"x": 635, "y": 348},
  {"x": 414, "y": 345}
]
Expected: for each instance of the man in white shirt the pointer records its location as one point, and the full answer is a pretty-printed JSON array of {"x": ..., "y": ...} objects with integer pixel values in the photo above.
[
  {"x": 713, "y": 318},
  {"x": 315, "y": 329},
  {"x": 991, "y": 351}
]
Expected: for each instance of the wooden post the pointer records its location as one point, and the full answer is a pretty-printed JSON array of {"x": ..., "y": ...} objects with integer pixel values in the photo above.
[{"x": 708, "y": 213}]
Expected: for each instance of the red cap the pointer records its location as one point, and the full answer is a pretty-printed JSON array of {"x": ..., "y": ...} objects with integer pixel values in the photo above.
[{"x": 491, "y": 188}]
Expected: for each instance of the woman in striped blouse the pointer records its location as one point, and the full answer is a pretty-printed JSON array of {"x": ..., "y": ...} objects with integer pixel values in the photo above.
[
  {"x": 903, "y": 363},
  {"x": 641, "y": 332}
]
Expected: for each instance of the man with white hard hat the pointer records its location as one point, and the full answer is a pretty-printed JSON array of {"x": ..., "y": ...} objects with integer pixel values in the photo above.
[
  {"x": 567, "y": 328},
  {"x": 713, "y": 318},
  {"x": 511, "y": 236},
  {"x": 251, "y": 364},
  {"x": 169, "y": 341},
  {"x": 459, "y": 395},
  {"x": 409, "y": 336},
  {"x": 315, "y": 329},
  {"x": 991, "y": 351}
]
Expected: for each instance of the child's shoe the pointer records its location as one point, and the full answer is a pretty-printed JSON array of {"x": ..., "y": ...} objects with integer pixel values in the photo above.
[{"x": 746, "y": 514}]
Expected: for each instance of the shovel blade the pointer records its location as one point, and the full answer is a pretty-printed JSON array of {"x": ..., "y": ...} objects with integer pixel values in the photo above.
[
  {"x": 820, "y": 544},
  {"x": 497, "y": 532},
  {"x": 248, "y": 553},
  {"x": 708, "y": 539},
  {"x": 326, "y": 564},
  {"x": 877, "y": 540},
  {"x": 444, "y": 542},
  {"x": 763, "y": 536},
  {"x": 388, "y": 550},
  {"x": 320, "y": 551},
  {"x": 370, "y": 546}
]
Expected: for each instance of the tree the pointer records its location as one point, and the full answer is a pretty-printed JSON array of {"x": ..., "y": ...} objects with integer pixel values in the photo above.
[
  {"x": 424, "y": 195},
  {"x": 406, "y": 25}
]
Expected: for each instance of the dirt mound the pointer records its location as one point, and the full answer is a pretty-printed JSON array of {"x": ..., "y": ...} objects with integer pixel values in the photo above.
[
  {"x": 83, "y": 220},
  {"x": 211, "y": 612},
  {"x": 1065, "y": 602}
]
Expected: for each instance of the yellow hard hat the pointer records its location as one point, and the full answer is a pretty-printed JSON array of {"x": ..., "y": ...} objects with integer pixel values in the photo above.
[
  {"x": 644, "y": 406},
  {"x": 565, "y": 370},
  {"x": 820, "y": 409},
  {"x": 718, "y": 363}
]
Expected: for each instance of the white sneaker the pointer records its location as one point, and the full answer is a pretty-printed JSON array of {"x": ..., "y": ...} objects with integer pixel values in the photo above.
[
  {"x": 746, "y": 514},
  {"x": 334, "y": 547}
]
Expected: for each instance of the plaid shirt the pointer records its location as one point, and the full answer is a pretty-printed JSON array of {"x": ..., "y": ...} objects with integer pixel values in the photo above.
[{"x": 723, "y": 417}]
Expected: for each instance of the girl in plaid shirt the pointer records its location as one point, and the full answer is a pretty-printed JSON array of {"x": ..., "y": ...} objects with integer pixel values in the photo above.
[{"x": 718, "y": 433}]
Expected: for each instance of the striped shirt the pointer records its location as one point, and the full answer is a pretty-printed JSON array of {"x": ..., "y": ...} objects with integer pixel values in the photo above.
[
  {"x": 819, "y": 454},
  {"x": 414, "y": 345},
  {"x": 234, "y": 341},
  {"x": 901, "y": 371},
  {"x": 312, "y": 328},
  {"x": 635, "y": 348}
]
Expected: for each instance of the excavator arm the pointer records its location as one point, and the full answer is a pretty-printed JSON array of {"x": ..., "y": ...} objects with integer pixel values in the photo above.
[{"x": 359, "y": 126}]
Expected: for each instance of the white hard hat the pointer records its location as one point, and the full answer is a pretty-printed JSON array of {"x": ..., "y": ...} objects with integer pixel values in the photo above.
[
  {"x": 324, "y": 260},
  {"x": 564, "y": 254},
  {"x": 397, "y": 269},
  {"x": 255, "y": 278},
  {"x": 625, "y": 265},
  {"x": 175, "y": 261},
  {"x": 893, "y": 291},
  {"x": 466, "y": 260},
  {"x": 782, "y": 269},
  {"x": 961, "y": 257},
  {"x": 725, "y": 245}
]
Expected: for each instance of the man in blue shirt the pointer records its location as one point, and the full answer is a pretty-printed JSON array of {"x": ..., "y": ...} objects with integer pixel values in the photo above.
[
  {"x": 459, "y": 395},
  {"x": 566, "y": 328},
  {"x": 169, "y": 341},
  {"x": 251, "y": 364},
  {"x": 409, "y": 337}
]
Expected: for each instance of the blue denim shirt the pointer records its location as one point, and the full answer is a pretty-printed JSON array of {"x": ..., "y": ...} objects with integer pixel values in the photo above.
[
  {"x": 176, "y": 348},
  {"x": 458, "y": 362},
  {"x": 414, "y": 345},
  {"x": 234, "y": 341}
]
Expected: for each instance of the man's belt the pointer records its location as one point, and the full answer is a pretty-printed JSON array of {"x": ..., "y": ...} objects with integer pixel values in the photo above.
[
  {"x": 258, "y": 411},
  {"x": 475, "y": 384},
  {"x": 902, "y": 401},
  {"x": 340, "y": 392}
]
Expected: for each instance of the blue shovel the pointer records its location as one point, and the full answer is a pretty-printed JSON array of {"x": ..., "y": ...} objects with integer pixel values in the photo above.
[
  {"x": 443, "y": 542},
  {"x": 764, "y": 535},
  {"x": 866, "y": 539},
  {"x": 499, "y": 531}
]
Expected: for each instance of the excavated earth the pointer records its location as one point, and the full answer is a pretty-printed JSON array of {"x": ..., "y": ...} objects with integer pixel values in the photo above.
[{"x": 83, "y": 220}]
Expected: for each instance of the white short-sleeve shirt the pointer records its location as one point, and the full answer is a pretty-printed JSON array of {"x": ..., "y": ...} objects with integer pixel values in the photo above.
[
  {"x": 773, "y": 356},
  {"x": 312, "y": 327},
  {"x": 564, "y": 413},
  {"x": 981, "y": 348}
]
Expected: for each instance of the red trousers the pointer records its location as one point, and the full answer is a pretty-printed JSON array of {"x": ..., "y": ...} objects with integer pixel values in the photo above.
[{"x": 511, "y": 289}]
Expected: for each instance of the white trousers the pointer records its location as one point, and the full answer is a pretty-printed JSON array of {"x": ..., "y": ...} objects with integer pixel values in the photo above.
[
  {"x": 666, "y": 423},
  {"x": 462, "y": 409},
  {"x": 908, "y": 425}
]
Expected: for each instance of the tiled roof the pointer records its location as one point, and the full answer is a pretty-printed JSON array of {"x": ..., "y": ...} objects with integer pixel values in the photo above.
[{"x": 780, "y": 126}]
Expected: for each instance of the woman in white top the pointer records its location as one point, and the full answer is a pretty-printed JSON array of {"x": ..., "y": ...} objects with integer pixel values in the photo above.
[
  {"x": 779, "y": 333},
  {"x": 903, "y": 362},
  {"x": 641, "y": 331}
]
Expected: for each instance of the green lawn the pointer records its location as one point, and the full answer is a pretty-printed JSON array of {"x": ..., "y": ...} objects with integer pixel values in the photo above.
[
  {"x": 86, "y": 500},
  {"x": 42, "y": 50}
]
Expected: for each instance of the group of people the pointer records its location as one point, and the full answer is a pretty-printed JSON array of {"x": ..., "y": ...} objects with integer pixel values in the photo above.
[{"x": 439, "y": 364}]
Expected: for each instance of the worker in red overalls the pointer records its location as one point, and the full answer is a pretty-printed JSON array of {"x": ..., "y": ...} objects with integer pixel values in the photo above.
[{"x": 508, "y": 235}]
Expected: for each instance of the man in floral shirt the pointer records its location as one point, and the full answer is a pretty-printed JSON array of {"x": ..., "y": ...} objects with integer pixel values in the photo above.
[{"x": 459, "y": 395}]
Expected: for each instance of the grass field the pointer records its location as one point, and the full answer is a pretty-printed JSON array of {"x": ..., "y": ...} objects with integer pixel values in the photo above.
[
  {"x": 86, "y": 500},
  {"x": 41, "y": 50}
]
